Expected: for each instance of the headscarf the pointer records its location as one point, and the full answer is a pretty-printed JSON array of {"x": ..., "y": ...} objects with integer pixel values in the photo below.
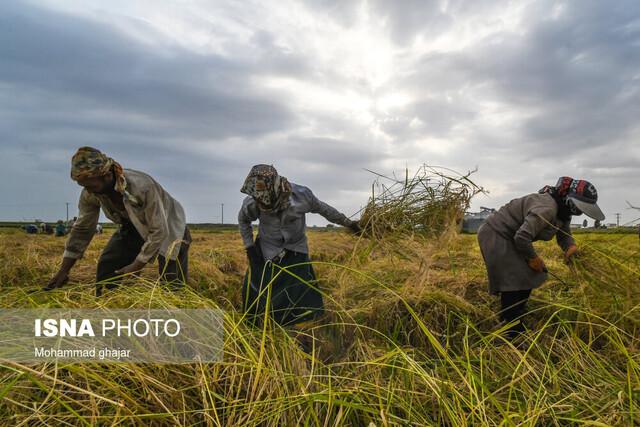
[
  {"x": 89, "y": 162},
  {"x": 567, "y": 190},
  {"x": 269, "y": 189}
]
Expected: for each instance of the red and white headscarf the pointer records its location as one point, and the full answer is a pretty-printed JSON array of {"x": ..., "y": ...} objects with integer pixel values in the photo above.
[{"x": 578, "y": 196}]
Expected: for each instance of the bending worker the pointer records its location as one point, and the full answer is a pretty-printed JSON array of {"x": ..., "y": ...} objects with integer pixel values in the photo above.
[
  {"x": 513, "y": 266},
  {"x": 151, "y": 222},
  {"x": 280, "y": 208}
]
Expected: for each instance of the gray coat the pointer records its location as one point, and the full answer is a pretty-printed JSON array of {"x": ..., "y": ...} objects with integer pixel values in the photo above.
[{"x": 506, "y": 241}]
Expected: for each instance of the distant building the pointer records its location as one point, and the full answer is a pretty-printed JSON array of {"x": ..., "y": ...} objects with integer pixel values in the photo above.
[
  {"x": 473, "y": 220},
  {"x": 576, "y": 226}
]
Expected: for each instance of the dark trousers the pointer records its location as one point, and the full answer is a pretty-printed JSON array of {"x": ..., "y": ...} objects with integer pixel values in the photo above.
[
  {"x": 292, "y": 294},
  {"x": 123, "y": 248},
  {"x": 513, "y": 305}
]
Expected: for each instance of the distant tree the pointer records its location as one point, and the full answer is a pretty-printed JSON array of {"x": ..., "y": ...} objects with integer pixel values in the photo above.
[{"x": 597, "y": 224}]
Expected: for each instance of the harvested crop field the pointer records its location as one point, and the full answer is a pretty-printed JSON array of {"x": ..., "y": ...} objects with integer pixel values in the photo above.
[{"x": 410, "y": 338}]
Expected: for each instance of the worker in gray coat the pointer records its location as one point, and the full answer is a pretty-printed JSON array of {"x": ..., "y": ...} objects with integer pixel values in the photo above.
[{"x": 506, "y": 241}]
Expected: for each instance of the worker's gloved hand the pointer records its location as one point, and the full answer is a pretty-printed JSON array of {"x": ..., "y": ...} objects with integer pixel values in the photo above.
[
  {"x": 536, "y": 264},
  {"x": 354, "y": 227},
  {"x": 255, "y": 255},
  {"x": 570, "y": 253},
  {"x": 57, "y": 281}
]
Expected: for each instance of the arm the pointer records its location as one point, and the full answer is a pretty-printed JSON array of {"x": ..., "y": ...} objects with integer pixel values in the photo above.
[
  {"x": 248, "y": 213},
  {"x": 330, "y": 213},
  {"x": 84, "y": 228},
  {"x": 79, "y": 238},
  {"x": 156, "y": 219},
  {"x": 566, "y": 242},
  {"x": 534, "y": 222},
  {"x": 564, "y": 237}
]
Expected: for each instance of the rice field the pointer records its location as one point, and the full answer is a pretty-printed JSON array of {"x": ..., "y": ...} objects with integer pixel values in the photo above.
[{"x": 410, "y": 338}]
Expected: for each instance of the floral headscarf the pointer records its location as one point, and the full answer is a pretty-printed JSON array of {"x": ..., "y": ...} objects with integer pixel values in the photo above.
[
  {"x": 269, "y": 189},
  {"x": 89, "y": 162}
]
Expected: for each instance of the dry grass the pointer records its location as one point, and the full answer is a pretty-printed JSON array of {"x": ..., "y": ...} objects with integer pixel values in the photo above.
[
  {"x": 428, "y": 202},
  {"x": 409, "y": 339}
]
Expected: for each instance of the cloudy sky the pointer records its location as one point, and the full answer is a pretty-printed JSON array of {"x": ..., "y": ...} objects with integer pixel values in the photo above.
[{"x": 196, "y": 92}]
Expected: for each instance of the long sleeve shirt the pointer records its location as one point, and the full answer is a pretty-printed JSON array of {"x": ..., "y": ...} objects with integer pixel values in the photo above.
[
  {"x": 530, "y": 218},
  {"x": 157, "y": 216},
  {"x": 285, "y": 229}
]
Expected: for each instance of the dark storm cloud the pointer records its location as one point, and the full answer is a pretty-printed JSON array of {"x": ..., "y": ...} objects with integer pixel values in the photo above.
[
  {"x": 576, "y": 75},
  {"x": 557, "y": 91},
  {"x": 564, "y": 87},
  {"x": 578, "y": 72},
  {"x": 67, "y": 81},
  {"x": 83, "y": 65}
]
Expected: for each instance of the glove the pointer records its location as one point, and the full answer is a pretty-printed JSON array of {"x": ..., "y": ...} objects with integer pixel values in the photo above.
[
  {"x": 536, "y": 264},
  {"x": 354, "y": 227},
  {"x": 571, "y": 252}
]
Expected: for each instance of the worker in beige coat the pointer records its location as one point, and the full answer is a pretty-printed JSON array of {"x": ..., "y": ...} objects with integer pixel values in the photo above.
[
  {"x": 506, "y": 241},
  {"x": 151, "y": 223}
]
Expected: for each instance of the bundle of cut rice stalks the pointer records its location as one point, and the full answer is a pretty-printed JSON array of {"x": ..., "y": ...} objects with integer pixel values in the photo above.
[{"x": 429, "y": 202}]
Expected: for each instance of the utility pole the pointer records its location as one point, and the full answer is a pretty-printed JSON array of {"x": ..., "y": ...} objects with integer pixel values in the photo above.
[
  {"x": 67, "y": 211},
  {"x": 618, "y": 219},
  {"x": 222, "y": 220}
]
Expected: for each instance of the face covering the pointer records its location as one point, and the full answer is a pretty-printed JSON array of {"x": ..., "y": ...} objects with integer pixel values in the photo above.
[{"x": 270, "y": 190}]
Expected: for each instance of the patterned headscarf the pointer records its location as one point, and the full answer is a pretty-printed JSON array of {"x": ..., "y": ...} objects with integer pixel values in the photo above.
[
  {"x": 568, "y": 192},
  {"x": 89, "y": 162},
  {"x": 269, "y": 189},
  {"x": 562, "y": 187}
]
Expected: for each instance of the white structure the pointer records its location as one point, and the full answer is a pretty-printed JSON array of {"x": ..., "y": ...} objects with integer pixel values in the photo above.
[{"x": 473, "y": 220}]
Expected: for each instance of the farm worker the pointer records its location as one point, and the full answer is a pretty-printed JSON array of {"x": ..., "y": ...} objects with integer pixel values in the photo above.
[
  {"x": 61, "y": 230},
  {"x": 280, "y": 207},
  {"x": 151, "y": 223},
  {"x": 513, "y": 266}
]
